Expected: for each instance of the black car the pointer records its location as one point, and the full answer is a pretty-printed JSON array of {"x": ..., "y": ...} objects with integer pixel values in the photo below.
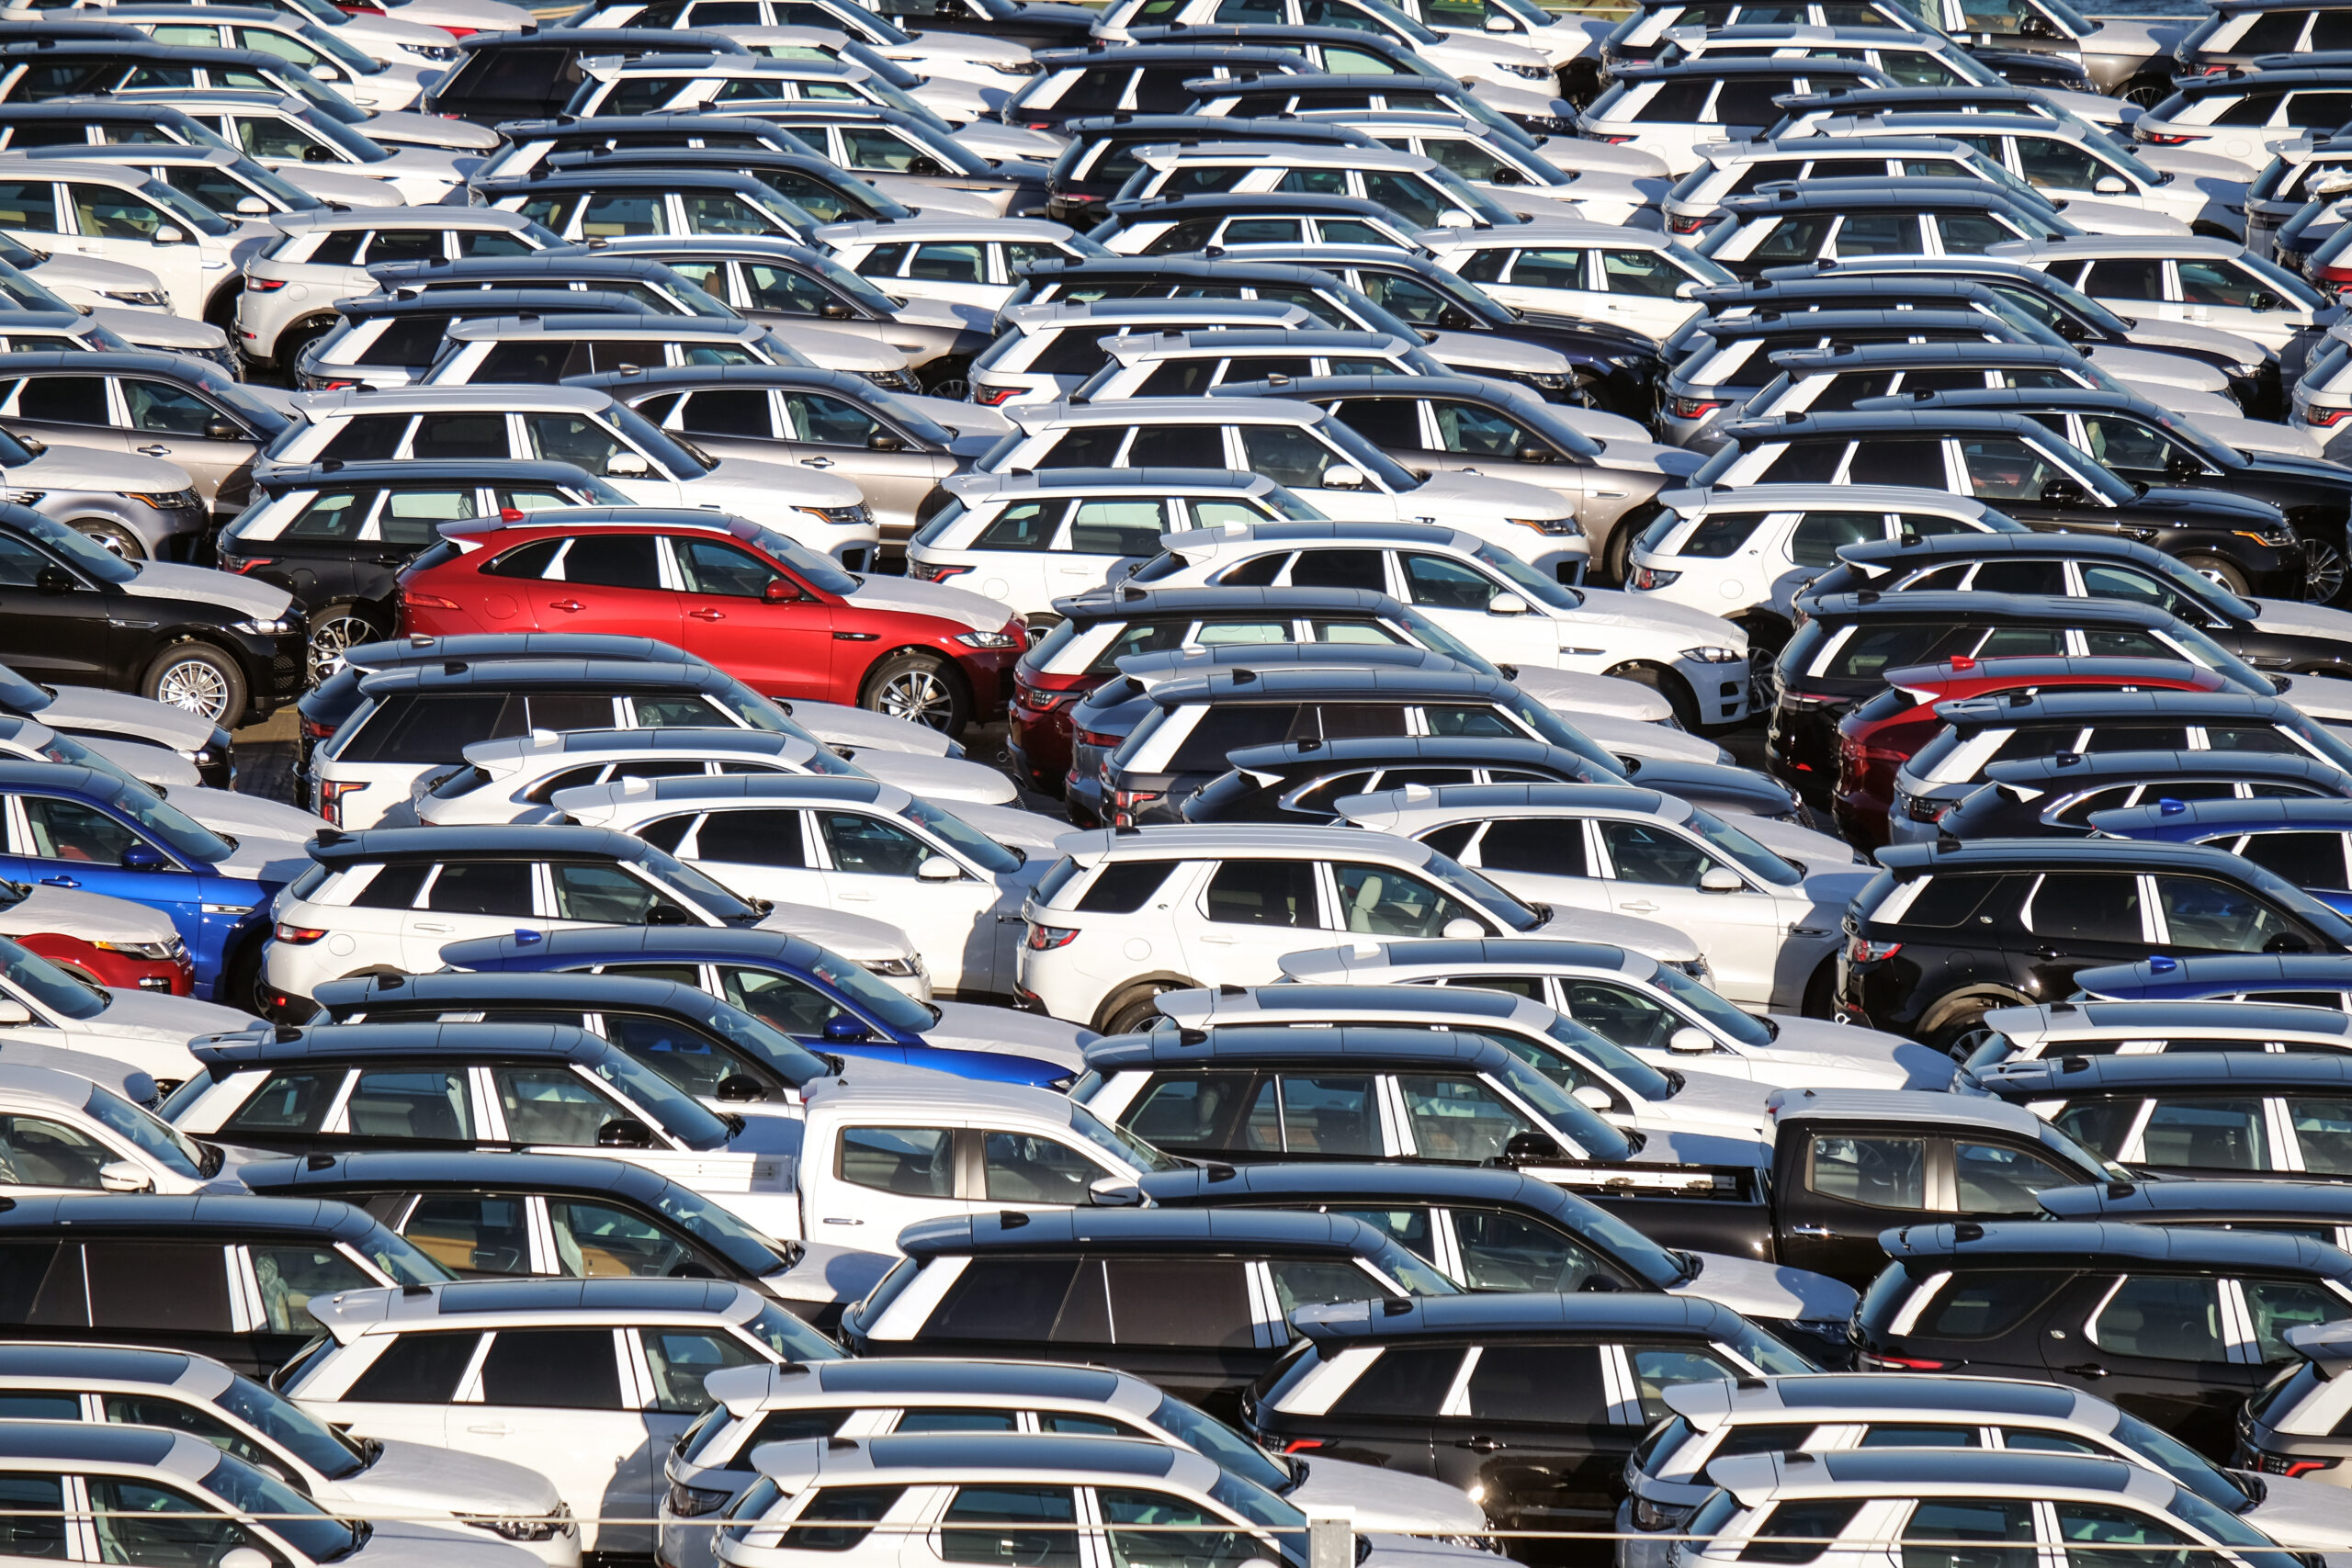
[
  {"x": 535, "y": 140},
  {"x": 2293, "y": 638},
  {"x": 1787, "y": 223},
  {"x": 1944, "y": 935},
  {"x": 2141, "y": 443},
  {"x": 651, "y": 285},
  {"x": 1100, "y": 157},
  {"x": 1530, "y": 1402},
  {"x": 706, "y": 1045},
  {"x": 1376, "y": 288},
  {"x": 228, "y": 1276},
  {"x": 809, "y": 183},
  {"x": 1840, "y": 656},
  {"x": 2024, "y": 470},
  {"x": 1074, "y": 83},
  {"x": 2320, "y": 1210},
  {"x": 1271, "y": 97},
  {"x": 1304, "y": 781},
  {"x": 2191, "y": 1114},
  {"x": 520, "y": 75},
  {"x": 2289, "y": 94},
  {"x": 2236, "y": 33},
  {"x": 2177, "y": 1326},
  {"x": 490, "y": 1214},
  {"x": 2057, "y": 795},
  {"x": 1197, "y": 1301},
  {"x": 74, "y": 613}
]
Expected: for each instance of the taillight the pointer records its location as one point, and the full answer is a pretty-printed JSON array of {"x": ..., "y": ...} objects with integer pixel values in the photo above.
[
  {"x": 929, "y": 572},
  {"x": 1304, "y": 1445},
  {"x": 2279, "y": 1464},
  {"x": 2325, "y": 419},
  {"x": 1042, "y": 702},
  {"x": 264, "y": 285},
  {"x": 1695, "y": 408},
  {"x": 1649, "y": 577},
  {"x": 251, "y": 563},
  {"x": 990, "y": 396},
  {"x": 1861, "y": 950},
  {"x": 313, "y": 730},
  {"x": 2153, "y": 139},
  {"x": 2332, "y": 272},
  {"x": 1045, "y": 939},
  {"x": 416, "y": 601},
  {"x": 1685, "y": 225},
  {"x": 1096, "y": 738},
  {"x": 331, "y": 794},
  {"x": 1870, "y": 1363},
  {"x": 297, "y": 936}
]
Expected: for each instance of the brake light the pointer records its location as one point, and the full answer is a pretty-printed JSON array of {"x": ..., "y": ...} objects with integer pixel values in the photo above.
[
  {"x": 1613, "y": 140},
  {"x": 331, "y": 794},
  {"x": 1045, "y": 939},
  {"x": 1861, "y": 950},
  {"x": 252, "y": 563},
  {"x": 313, "y": 730},
  {"x": 1696, "y": 408},
  {"x": 2294, "y": 1467},
  {"x": 264, "y": 285},
  {"x": 932, "y": 573},
  {"x": 1303, "y": 1445},
  {"x": 415, "y": 601},
  {"x": 297, "y": 936},
  {"x": 1096, "y": 738},
  {"x": 2325, "y": 419},
  {"x": 1685, "y": 225},
  {"x": 2153, "y": 139},
  {"x": 990, "y": 396},
  {"x": 2333, "y": 273},
  {"x": 1030, "y": 697},
  {"x": 1902, "y": 1364}
]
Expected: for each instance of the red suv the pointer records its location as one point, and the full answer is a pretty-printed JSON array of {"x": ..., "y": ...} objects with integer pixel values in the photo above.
[
  {"x": 1878, "y": 737},
  {"x": 783, "y": 620}
]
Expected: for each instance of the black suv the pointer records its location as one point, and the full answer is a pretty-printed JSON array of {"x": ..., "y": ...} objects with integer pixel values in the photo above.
[
  {"x": 1944, "y": 933},
  {"x": 1840, "y": 656},
  {"x": 2060, "y": 794},
  {"x": 1101, "y": 156},
  {"x": 2177, "y": 1326},
  {"x": 2025, "y": 469},
  {"x": 507, "y": 77},
  {"x": 1304, "y": 781},
  {"x": 1522, "y": 1399}
]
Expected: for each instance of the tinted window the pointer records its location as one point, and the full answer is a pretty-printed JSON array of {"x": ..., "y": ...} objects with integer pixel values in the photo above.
[
  {"x": 1547, "y": 1383},
  {"x": 560, "y": 1368},
  {"x": 2087, "y": 907},
  {"x": 1265, "y": 893}
]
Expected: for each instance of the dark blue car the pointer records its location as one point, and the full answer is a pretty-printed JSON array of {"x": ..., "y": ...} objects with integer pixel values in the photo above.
[
  {"x": 815, "y": 996},
  {"x": 2297, "y": 980},
  {"x": 105, "y": 832},
  {"x": 2307, "y": 841}
]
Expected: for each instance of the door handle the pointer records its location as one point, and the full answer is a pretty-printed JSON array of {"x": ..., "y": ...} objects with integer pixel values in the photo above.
[
  {"x": 567, "y": 605},
  {"x": 831, "y": 1220},
  {"x": 706, "y": 614},
  {"x": 154, "y": 451},
  {"x": 1220, "y": 940},
  {"x": 2087, "y": 1369},
  {"x": 816, "y": 462},
  {"x": 430, "y": 926},
  {"x": 1639, "y": 906},
  {"x": 1480, "y": 1445},
  {"x": 1821, "y": 1230},
  {"x": 59, "y": 881},
  {"x": 2045, "y": 953},
  {"x": 498, "y": 1431}
]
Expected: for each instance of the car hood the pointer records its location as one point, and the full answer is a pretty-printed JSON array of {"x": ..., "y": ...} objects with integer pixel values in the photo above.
[
  {"x": 1713, "y": 1102},
  {"x": 1417, "y": 1551},
  {"x": 1484, "y": 493},
  {"x": 2324, "y": 697},
  {"x": 61, "y": 271},
  {"x": 1613, "y": 607},
  {"x": 150, "y": 764},
  {"x": 151, "y": 1015},
  {"x": 913, "y": 596},
  {"x": 1032, "y": 834},
  {"x": 338, "y": 189},
  {"x": 1833, "y": 890},
  {"x": 403, "y": 1545},
  {"x": 2208, "y": 501},
  {"x": 248, "y": 596},
  {"x": 2147, "y": 332},
  {"x": 273, "y": 862},
  {"x": 2095, "y": 108},
  {"x": 1737, "y": 790},
  {"x": 247, "y": 817},
  {"x": 2127, "y": 36},
  {"x": 794, "y": 485},
  {"x": 2266, "y": 442},
  {"x": 394, "y": 125},
  {"x": 154, "y": 329},
  {"x": 1580, "y": 698},
  {"x": 1922, "y": 1066},
  {"x": 940, "y": 778},
  {"x": 2295, "y": 618},
  {"x": 827, "y": 1274},
  {"x": 964, "y": 1026},
  {"x": 2118, "y": 218},
  {"x": 85, "y": 467},
  {"x": 89, "y": 917},
  {"x": 1660, "y": 940},
  {"x": 1649, "y": 457},
  {"x": 973, "y": 47},
  {"x": 2154, "y": 374},
  {"x": 1383, "y": 1499},
  {"x": 2194, "y": 167},
  {"x": 1509, "y": 353},
  {"x": 88, "y": 708},
  {"x": 963, "y": 420},
  {"x": 413, "y": 1477},
  {"x": 854, "y": 731},
  {"x": 999, "y": 142},
  {"x": 1768, "y": 1290},
  {"x": 2302, "y": 1510},
  {"x": 1703, "y": 1148},
  {"x": 135, "y": 1084},
  {"x": 2296, "y": 466},
  {"x": 855, "y": 937},
  {"x": 829, "y": 350}
]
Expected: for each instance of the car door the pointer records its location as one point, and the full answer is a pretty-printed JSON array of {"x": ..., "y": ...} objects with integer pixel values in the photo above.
[
  {"x": 886, "y": 1176},
  {"x": 670, "y": 1363},
  {"x": 40, "y": 1155},
  {"x": 65, "y": 842},
  {"x": 1461, "y": 597},
  {"x": 552, "y": 1400},
  {"x": 758, "y": 853},
  {"x": 65, "y": 409},
  {"x": 152, "y": 1290},
  {"x": 872, "y": 867},
  {"x": 2175, "y": 1351},
  {"x": 1228, "y": 943},
  {"x": 168, "y": 421},
  {"x": 1855, "y": 1183},
  {"x": 467, "y": 898},
  {"x": 53, "y": 624},
  {"x": 609, "y": 583},
  {"x": 2203, "y": 914},
  {"x": 2070, "y": 921},
  {"x": 2226, "y": 294},
  {"x": 1657, "y": 873},
  {"x": 752, "y": 619},
  {"x": 1529, "y": 1434},
  {"x": 118, "y": 225},
  {"x": 1104, "y": 539}
]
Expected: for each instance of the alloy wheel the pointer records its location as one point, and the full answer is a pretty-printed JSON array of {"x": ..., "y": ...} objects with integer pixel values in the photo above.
[
  {"x": 334, "y": 638},
  {"x": 2323, "y": 571},
  {"x": 919, "y": 696},
  {"x": 196, "y": 686}
]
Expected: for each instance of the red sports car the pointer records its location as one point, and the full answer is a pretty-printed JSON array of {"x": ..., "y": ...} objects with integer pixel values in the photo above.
[
  {"x": 1878, "y": 737},
  {"x": 781, "y": 618}
]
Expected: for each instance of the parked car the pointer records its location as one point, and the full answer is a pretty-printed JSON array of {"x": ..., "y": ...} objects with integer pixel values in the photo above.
[{"x": 326, "y": 257}]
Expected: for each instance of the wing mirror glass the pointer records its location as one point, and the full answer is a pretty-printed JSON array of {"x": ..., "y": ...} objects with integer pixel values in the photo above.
[
  {"x": 1719, "y": 879},
  {"x": 883, "y": 440},
  {"x": 1533, "y": 1147},
  {"x": 833, "y": 310},
  {"x": 222, "y": 430},
  {"x": 668, "y": 914},
  {"x": 937, "y": 868}
]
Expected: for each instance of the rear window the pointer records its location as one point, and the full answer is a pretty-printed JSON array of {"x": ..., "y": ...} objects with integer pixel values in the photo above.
[
  {"x": 1977, "y": 1306},
  {"x": 1719, "y": 534},
  {"x": 1125, "y": 887}
]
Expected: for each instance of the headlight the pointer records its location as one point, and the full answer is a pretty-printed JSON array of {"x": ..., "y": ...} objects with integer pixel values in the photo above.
[
  {"x": 1697, "y": 969},
  {"x": 277, "y": 627},
  {"x": 1562, "y": 526},
  {"x": 544, "y": 1528},
  {"x": 840, "y": 516},
  {"x": 1548, "y": 381},
  {"x": 145, "y": 298},
  {"x": 989, "y": 639},
  {"x": 1532, "y": 73},
  {"x": 898, "y": 968},
  {"x": 157, "y": 952},
  {"x": 23, "y": 497},
  {"x": 896, "y": 381},
  {"x": 168, "y": 500},
  {"x": 1021, "y": 68},
  {"x": 2274, "y": 534},
  {"x": 431, "y": 52},
  {"x": 1649, "y": 1516},
  {"x": 1713, "y": 655}
]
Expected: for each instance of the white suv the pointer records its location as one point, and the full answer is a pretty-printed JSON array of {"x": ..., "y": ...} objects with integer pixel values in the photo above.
[
  {"x": 1045, "y": 350},
  {"x": 1308, "y": 451},
  {"x": 112, "y": 213},
  {"x": 1488, "y": 597},
  {"x": 1597, "y": 271},
  {"x": 567, "y": 424},
  {"x": 588, "y": 1382},
  {"x": 1125, "y": 916},
  {"x": 68, "y": 1134}
]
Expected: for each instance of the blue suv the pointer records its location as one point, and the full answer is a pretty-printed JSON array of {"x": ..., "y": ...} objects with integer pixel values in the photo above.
[
  {"x": 815, "y": 996},
  {"x": 2297, "y": 980},
  {"x": 104, "y": 832},
  {"x": 2307, "y": 841}
]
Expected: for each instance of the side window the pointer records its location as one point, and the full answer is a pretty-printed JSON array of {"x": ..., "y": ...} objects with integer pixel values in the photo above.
[
  {"x": 613, "y": 561},
  {"x": 869, "y": 846},
  {"x": 1407, "y": 1379},
  {"x": 552, "y": 1368},
  {"x": 64, "y": 399},
  {"x": 608, "y": 896},
  {"x": 36, "y": 1152},
  {"x": 839, "y": 1517},
  {"x": 1505, "y": 1252},
  {"x": 161, "y": 409},
  {"x": 1885, "y": 1173},
  {"x": 1796, "y": 1530},
  {"x": 713, "y": 567},
  {"x": 791, "y": 1005},
  {"x": 497, "y": 887},
  {"x": 681, "y": 1358},
  {"x": 138, "y": 1521},
  {"x": 1196, "y": 1301},
  {"x": 2202, "y": 913},
  {"x": 2166, "y": 1320},
  {"x": 471, "y": 1233},
  {"x": 1021, "y": 1168},
  {"x": 1659, "y": 1368},
  {"x": 1544, "y": 845},
  {"x": 1017, "y": 1298},
  {"x": 915, "y": 1162},
  {"x": 1264, "y": 892},
  {"x": 32, "y": 1508},
  {"x": 1458, "y": 1120},
  {"x": 71, "y": 831},
  {"x": 2118, "y": 1536},
  {"x": 1206, "y": 1110},
  {"x": 1331, "y": 1115},
  {"x": 182, "y": 1286},
  {"x": 409, "y": 1103},
  {"x": 551, "y": 1106},
  {"x": 291, "y": 1276},
  {"x": 765, "y": 837},
  {"x": 1018, "y": 1527},
  {"x": 1999, "y": 1533},
  {"x": 1444, "y": 584},
  {"x": 419, "y": 1369},
  {"x": 1378, "y": 900},
  {"x": 1991, "y": 1179},
  {"x": 1819, "y": 535},
  {"x": 2086, "y": 907},
  {"x": 2208, "y": 1134},
  {"x": 1550, "y": 1384},
  {"x": 1648, "y": 853},
  {"x": 291, "y": 1100},
  {"x": 2278, "y": 1305}
]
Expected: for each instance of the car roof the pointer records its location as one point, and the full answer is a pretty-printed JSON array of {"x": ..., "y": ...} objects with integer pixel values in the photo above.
[
  {"x": 2098, "y": 1244},
  {"x": 328, "y": 1042},
  {"x": 1319, "y": 756},
  {"x": 1491, "y": 1314},
  {"x": 1902, "y": 1105},
  {"x": 2069, "y": 1077},
  {"x": 1753, "y": 1478},
  {"x": 1216, "y": 1185},
  {"x": 594, "y": 944},
  {"x": 1867, "y": 604},
  {"x": 1362, "y": 1046},
  {"x": 536, "y": 840},
  {"x": 1906, "y": 356},
  {"x": 359, "y": 993},
  {"x": 2156, "y": 1202},
  {"x": 394, "y": 653},
  {"x": 1150, "y": 481},
  {"x": 1779, "y": 496},
  {"x": 2024, "y": 707},
  {"x": 495, "y": 673},
  {"x": 438, "y": 399},
  {"x": 2089, "y": 854},
  {"x": 1128, "y": 603},
  {"x": 886, "y": 797},
  {"x": 1101, "y": 1231},
  {"x": 1820, "y": 322},
  {"x": 1940, "y": 546},
  {"x": 1277, "y": 685},
  {"x": 475, "y": 302},
  {"x": 421, "y": 472},
  {"x": 425, "y": 1168},
  {"x": 1715, "y": 1405},
  {"x": 2060, "y": 1021},
  {"x": 2070, "y": 767},
  {"x": 494, "y": 1303},
  {"x": 189, "y": 1215}
]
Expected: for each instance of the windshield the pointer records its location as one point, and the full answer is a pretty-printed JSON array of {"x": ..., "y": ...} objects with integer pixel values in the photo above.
[
  {"x": 161, "y": 1142},
  {"x": 793, "y": 1060},
  {"x": 1118, "y": 1143},
  {"x": 28, "y": 973},
  {"x": 658, "y": 445},
  {"x": 1268, "y": 1512},
  {"x": 1282, "y": 503},
  {"x": 790, "y": 1339},
  {"x": 1710, "y": 1005},
  {"x": 2181, "y": 1462},
  {"x": 1575, "y": 1122},
  {"x": 699, "y": 889},
  {"x": 1439, "y": 641},
  {"x": 1653, "y": 1263},
  {"x": 2292, "y": 289},
  {"x": 2225, "y": 1527},
  {"x": 2063, "y": 1143},
  {"x": 1234, "y": 1454},
  {"x": 819, "y": 571},
  {"x": 885, "y": 1002},
  {"x": 24, "y": 293},
  {"x": 1455, "y": 878},
  {"x": 284, "y": 1512},
  {"x": 183, "y": 833},
  {"x": 718, "y": 1230},
  {"x": 1527, "y": 581},
  {"x": 1755, "y": 857},
  {"x": 1494, "y": 212},
  {"x": 193, "y": 213},
  {"x": 678, "y": 1113},
  {"x": 963, "y": 838},
  {"x": 2214, "y": 655},
  {"x": 365, "y": 148},
  {"x": 1612, "y": 1058},
  {"x": 400, "y": 1260},
  {"x": 289, "y": 1425},
  {"x": 858, "y": 289},
  {"x": 1770, "y": 1356},
  {"x": 84, "y": 552}
]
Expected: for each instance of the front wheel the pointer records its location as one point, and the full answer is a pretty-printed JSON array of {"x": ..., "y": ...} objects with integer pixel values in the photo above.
[
  {"x": 2323, "y": 571},
  {"x": 950, "y": 378},
  {"x": 918, "y": 687},
  {"x": 2146, "y": 92},
  {"x": 1667, "y": 685},
  {"x": 336, "y": 631},
  {"x": 200, "y": 678},
  {"x": 2214, "y": 569},
  {"x": 113, "y": 538}
]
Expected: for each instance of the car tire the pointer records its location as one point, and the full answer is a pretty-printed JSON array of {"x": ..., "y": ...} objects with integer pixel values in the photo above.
[
  {"x": 333, "y": 631},
  {"x": 241, "y": 983},
  {"x": 950, "y": 378},
  {"x": 296, "y": 338},
  {"x": 920, "y": 687},
  {"x": 1821, "y": 991},
  {"x": 1952, "y": 1018},
  {"x": 200, "y": 678},
  {"x": 113, "y": 538},
  {"x": 2220, "y": 571},
  {"x": 1669, "y": 686},
  {"x": 1768, "y": 631},
  {"x": 1136, "y": 1007},
  {"x": 2146, "y": 92}
]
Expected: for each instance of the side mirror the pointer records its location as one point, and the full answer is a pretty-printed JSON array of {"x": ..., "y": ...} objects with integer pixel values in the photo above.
[
  {"x": 628, "y": 465},
  {"x": 14, "y": 1011},
  {"x": 846, "y": 1029},
  {"x": 1343, "y": 476},
  {"x": 2261, "y": 300},
  {"x": 738, "y": 1088},
  {"x": 121, "y": 1175},
  {"x": 926, "y": 167},
  {"x": 780, "y": 591},
  {"x": 1462, "y": 928},
  {"x": 54, "y": 581},
  {"x": 326, "y": 72},
  {"x": 1688, "y": 1040},
  {"x": 1593, "y": 1097},
  {"x": 1526, "y": 1147},
  {"x": 1505, "y": 174},
  {"x": 169, "y": 234},
  {"x": 251, "y": 207},
  {"x": 1721, "y": 879},
  {"x": 833, "y": 310},
  {"x": 2111, "y": 184},
  {"x": 1506, "y": 604},
  {"x": 667, "y": 914},
  {"x": 2287, "y": 942},
  {"x": 1498, "y": 23},
  {"x": 314, "y": 153},
  {"x": 142, "y": 857},
  {"x": 937, "y": 868},
  {"x": 243, "y": 1557},
  {"x": 1114, "y": 1193},
  {"x": 223, "y": 430},
  {"x": 1454, "y": 218},
  {"x": 2062, "y": 492},
  {"x": 883, "y": 440},
  {"x": 624, "y": 1132},
  {"x": 1531, "y": 455}
]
